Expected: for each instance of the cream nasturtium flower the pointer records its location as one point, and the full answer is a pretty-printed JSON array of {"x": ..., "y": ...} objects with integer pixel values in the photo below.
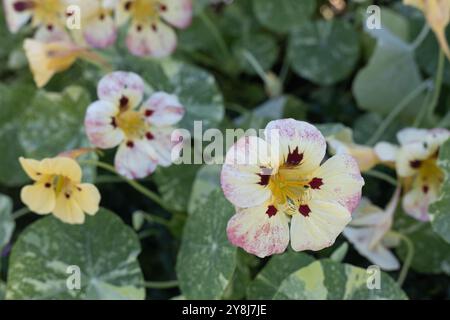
[
  {"x": 290, "y": 184},
  {"x": 437, "y": 13},
  {"x": 369, "y": 232},
  {"x": 149, "y": 33},
  {"x": 58, "y": 189},
  {"x": 143, "y": 132},
  {"x": 416, "y": 163}
]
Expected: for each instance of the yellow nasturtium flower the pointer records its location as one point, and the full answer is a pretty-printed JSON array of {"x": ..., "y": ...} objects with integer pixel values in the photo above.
[
  {"x": 437, "y": 13},
  {"x": 58, "y": 189}
]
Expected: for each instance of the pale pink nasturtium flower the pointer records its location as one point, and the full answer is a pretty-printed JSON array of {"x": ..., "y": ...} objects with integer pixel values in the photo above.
[
  {"x": 143, "y": 133},
  {"x": 369, "y": 232},
  {"x": 416, "y": 163},
  {"x": 291, "y": 185},
  {"x": 150, "y": 32}
]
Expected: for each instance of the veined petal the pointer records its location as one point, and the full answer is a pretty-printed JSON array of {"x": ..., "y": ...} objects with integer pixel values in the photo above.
[
  {"x": 160, "y": 145},
  {"x": 62, "y": 166},
  {"x": 133, "y": 160},
  {"x": 387, "y": 152},
  {"x": 319, "y": 228},
  {"x": 124, "y": 89},
  {"x": 87, "y": 197},
  {"x": 154, "y": 39},
  {"x": 17, "y": 15},
  {"x": 244, "y": 179},
  {"x": 379, "y": 255},
  {"x": 300, "y": 144},
  {"x": 163, "y": 109},
  {"x": 176, "y": 12},
  {"x": 100, "y": 31},
  {"x": 411, "y": 135},
  {"x": 32, "y": 168},
  {"x": 340, "y": 181},
  {"x": 258, "y": 233},
  {"x": 68, "y": 210},
  {"x": 39, "y": 198},
  {"x": 100, "y": 124}
]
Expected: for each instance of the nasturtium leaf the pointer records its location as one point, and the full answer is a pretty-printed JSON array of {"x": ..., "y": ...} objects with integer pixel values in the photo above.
[
  {"x": 332, "y": 129},
  {"x": 174, "y": 184},
  {"x": 262, "y": 47},
  {"x": 324, "y": 52},
  {"x": 283, "y": 15},
  {"x": 241, "y": 277},
  {"x": 435, "y": 260},
  {"x": 391, "y": 63},
  {"x": 267, "y": 282},
  {"x": 330, "y": 280},
  {"x": 206, "y": 181},
  {"x": 440, "y": 210},
  {"x": 207, "y": 261},
  {"x": 7, "y": 223},
  {"x": 2, "y": 290},
  {"x": 104, "y": 249}
]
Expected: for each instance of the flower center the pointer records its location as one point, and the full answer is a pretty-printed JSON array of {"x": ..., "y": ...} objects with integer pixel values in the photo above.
[
  {"x": 429, "y": 171},
  {"x": 132, "y": 124},
  {"x": 143, "y": 10},
  {"x": 61, "y": 184},
  {"x": 47, "y": 11}
]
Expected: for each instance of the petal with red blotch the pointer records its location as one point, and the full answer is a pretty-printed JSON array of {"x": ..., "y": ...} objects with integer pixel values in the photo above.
[
  {"x": 176, "y": 12},
  {"x": 17, "y": 15},
  {"x": 417, "y": 201},
  {"x": 161, "y": 145},
  {"x": 133, "y": 160},
  {"x": 163, "y": 109},
  {"x": 55, "y": 34},
  {"x": 100, "y": 31},
  {"x": 124, "y": 89}
]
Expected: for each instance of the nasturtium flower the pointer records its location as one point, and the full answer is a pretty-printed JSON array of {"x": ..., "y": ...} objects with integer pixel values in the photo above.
[
  {"x": 44, "y": 14},
  {"x": 142, "y": 131},
  {"x": 369, "y": 232},
  {"x": 58, "y": 189},
  {"x": 150, "y": 32},
  {"x": 416, "y": 163},
  {"x": 437, "y": 13},
  {"x": 289, "y": 184}
]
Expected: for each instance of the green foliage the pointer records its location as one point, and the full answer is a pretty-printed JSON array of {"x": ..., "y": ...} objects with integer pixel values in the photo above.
[{"x": 7, "y": 224}]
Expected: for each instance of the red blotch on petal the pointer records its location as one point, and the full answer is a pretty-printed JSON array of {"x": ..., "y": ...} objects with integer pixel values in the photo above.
[
  {"x": 271, "y": 211},
  {"x": 149, "y": 136},
  {"x": 130, "y": 144},
  {"x": 22, "y": 5},
  {"x": 294, "y": 158},
  {"x": 316, "y": 183},
  {"x": 426, "y": 189},
  {"x": 148, "y": 113},
  {"x": 415, "y": 164},
  {"x": 264, "y": 179},
  {"x": 304, "y": 210}
]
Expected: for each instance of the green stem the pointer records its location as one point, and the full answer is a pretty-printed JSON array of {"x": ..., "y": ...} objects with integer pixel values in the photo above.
[
  {"x": 445, "y": 121},
  {"x": 154, "y": 218},
  {"x": 255, "y": 65},
  {"x": 136, "y": 185},
  {"x": 161, "y": 284},
  {"x": 423, "y": 110},
  {"x": 216, "y": 34},
  {"x": 437, "y": 85},
  {"x": 396, "y": 111},
  {"x": 382, "y": 176},
  {"x": 409, "y": 257},
  {"x": 236, "y": 108},
  {"x": 421, "y": 37},
  {"x": 20, "y": 213}
]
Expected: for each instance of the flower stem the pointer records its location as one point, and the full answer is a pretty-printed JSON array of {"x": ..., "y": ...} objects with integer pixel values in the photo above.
[
  {"x": 437, "y": 86},
  {"x": 161, "y": 284},
  {"x": 136, "y": 185},
  {"x": 409, "y": 257},
  {"x": 20, "y": 213},
  {"x": 154, "y": 218},
  {"x": 382, "y": 176},
  {"x": 421, "y": 37},
  {"x": 255, "y": 65},
  {"x": 396, "y": 111}
]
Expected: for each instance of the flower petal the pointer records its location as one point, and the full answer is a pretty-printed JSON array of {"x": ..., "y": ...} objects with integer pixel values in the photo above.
[
  {"x": 68, "y": 210},
  {"x": 320, "y": 228},
  {"x": 341, "y": 181},
  {"x": 160, "y": 145},
  {"x": 133, "y": 160},
  {"x": 16, "y": 15},
  {"x": 100, "y": 125},
  {"x": 177, "y": 12},
  {"x": 163, "y": 109},
  {"x": 39, "y": 198},
  {"x": 124, "y": 89},
  {"x": 87, "y": 197},
  {"x": 122, "y": 12},
  {"x": 257, "y": 232},
  {"x": 32, "y": 168},
  {"x": 54, "y": 34},
  {"x": 379, "y": 255},
  {"x": 300, "y": 143},
  {"x": 100, "y": 31},
  {"x": 410, "y": 156},
  {"x": 410, "y": 135},
  {"x": 62, "y": 166},
  {"x": 416, "y": 202},
  {"x": 241, "y": 178},
  {"x": 154, "y": 39},
  {"x": 387, "y": 152}
]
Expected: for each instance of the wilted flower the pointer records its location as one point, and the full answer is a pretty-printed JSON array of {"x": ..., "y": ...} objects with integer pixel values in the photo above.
[
  {"x": 368, "y": 232},
  {"x": 288, "y": 185},
  {"x": 416, "y": 163},
  {"x": 144, "y": 134},
  {"x": 149, "y": 33},
  {"x": 58, "y": 189}
]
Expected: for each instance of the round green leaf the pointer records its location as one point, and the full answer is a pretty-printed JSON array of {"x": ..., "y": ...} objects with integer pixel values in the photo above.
[
  {"x": 206, "y": 261},
  {"x": 277, "y": 269},
  {"x": 7, "y": 224},
  {"x": 104, "y": 249},
  {"x": 283, "y": 15},
  {"x": 206, "y": 181},
  {"x": 324, "y": 52},
  {"x": 330, "y": 280}
]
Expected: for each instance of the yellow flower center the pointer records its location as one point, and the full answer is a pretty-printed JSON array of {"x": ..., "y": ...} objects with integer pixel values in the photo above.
[
  {"x": 61, "y": 184},
  {"x": 143, "y": 10},
  {"x": 48, "y": 11},
  {"x": 429, "y": 171},
  {"x": 132, "y": 124}
]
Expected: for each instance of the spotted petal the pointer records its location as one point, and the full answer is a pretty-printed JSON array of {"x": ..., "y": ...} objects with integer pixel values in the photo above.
[
  {"x": 258, "y": 233},
  {"x": 133, "y": 160},
  {"x": 100, "y": 125},
  {"x": 46, "y": 34},
  {"x": 176, "y": 12},
  {"x": 416, "y": 202},
  {"x": 410, "y": 156},
  {"x": 320, "y": 227},
  {"x": 100, "y": 31},
  {"x": 161, "y": 145},
  {"x": 68, "y": 210},
  {"x": 17, "y": 15},
  {"x": 87, "y": 197},
  {"x": 124, "y": 89},
  {"x": 39, "y": 198},
  {"x": 154, "y": 39},
  {"x": 163, "y": 109}
]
